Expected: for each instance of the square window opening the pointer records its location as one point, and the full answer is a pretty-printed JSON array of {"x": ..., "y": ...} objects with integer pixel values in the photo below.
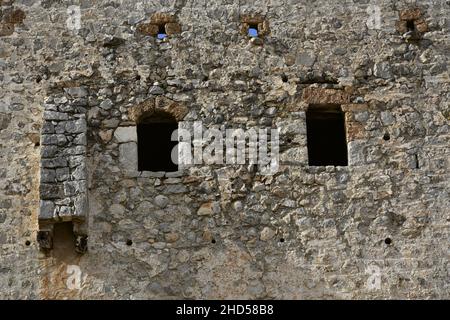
[
  {"x": 155, "y": 144},
  {"x": 253, "y": 30},
  {"x": 410, "y": 25},
  {"x": 326, "y": 136},
  {"x": 162, "y": 31}
]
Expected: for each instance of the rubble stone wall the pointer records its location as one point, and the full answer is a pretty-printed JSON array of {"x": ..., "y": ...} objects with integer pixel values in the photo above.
[{"x": 71, "y": 91}]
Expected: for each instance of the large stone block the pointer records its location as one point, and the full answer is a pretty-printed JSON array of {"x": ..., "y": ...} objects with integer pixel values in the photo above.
[{"x": 126, "y": 134}]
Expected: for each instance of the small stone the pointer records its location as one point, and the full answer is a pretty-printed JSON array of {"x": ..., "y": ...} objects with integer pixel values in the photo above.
[
  {"x": 156, "y": 90},
  {"x": 306, "y": 59},
  {"x": 77, "y": 126},
  {"x": 208, "y": 209},
  {"x": 105, "y": 135},
  {"x": 172, "y": 237},
  {"x": 76, "y": 92},
  {"x": 237, "y": 206},
  {"x": 267, "y": 234},
  {"x": 48, "y": 175},
  {"x": 117, "y": 209},
  {"x": 382, "y": 70},
  {"x": 62, "y": 174},
  {"x": 387, "y": 118},
  {"x": 46, "y": 209},
  {"x": 53, "y": 115},
  {"x": 106, "y": 104},
  {"x": 161, "y": 201}
]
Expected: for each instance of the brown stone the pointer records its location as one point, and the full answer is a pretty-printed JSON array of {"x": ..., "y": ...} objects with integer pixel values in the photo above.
[
  {"x": 251, "y": 18},
  {"x": 148, "y": 29},
  {"x": 421, "y": 25},
  {"x": 14, "y": 17},
  {"x": 6, "y": 29},
  {"x": 162, "y": 18},
  {"x": 401, "y": 26},
  {"x": 173, "y": 28},
  {"x": 355, "y": 130},
  {"x": 264, "y": 28},
  {"x": 314, "y": 95},
  {"x": 160, "y": 104},
  {"x": 410, "y": 14},
  {"x": 172, "y": 237}
]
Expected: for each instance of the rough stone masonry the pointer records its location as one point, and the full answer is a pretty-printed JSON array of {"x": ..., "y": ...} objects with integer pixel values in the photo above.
[{"x": 78, "y": 220}]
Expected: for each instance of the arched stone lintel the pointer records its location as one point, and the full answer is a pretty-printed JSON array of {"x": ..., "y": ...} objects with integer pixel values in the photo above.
[{"x": 155, "y": 105}]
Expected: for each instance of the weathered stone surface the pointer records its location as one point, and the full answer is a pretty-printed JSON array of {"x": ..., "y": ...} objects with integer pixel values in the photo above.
[
  {"x": 125, "y": 134},
  {"x": 267, "y": 234},
  {"x": 208, "y": 208},
  {"x": 128, "y": 156},
  {"x": 313, "y": 95},
  {"x": 161, "y": 201},
  {"x": 305, "y": 232}
]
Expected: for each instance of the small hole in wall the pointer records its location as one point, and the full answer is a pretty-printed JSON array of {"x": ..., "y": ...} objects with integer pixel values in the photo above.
[
  {"x": 388, "y": 241},
  {"x": 205, "y": 78},
  {"x": 416, "y": 158},
  {"x": 38, "y": 79},
  {"x": 162, "y": 31},
  {"x": 289, "y": 140},
  {"x": 138, "y": 77},
  {"x": 281, "y": 240},
  {"x": 37, "y": 144},
  {"x": 213, "y": 241},
  {"x": 410, "y": 25},
  {"x": 129, "y": 242},
  {"x": 284, "y": 78},
  {"x": 27, "y": 243},
  {"x": 386, "y": 137},
  {"x": 253, "y": 30}
]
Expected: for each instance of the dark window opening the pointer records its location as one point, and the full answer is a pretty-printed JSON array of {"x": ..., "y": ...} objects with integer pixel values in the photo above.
[
  {"x": 154, "y": 135},
  {"x": 162, "y": 31},
  {"x": 326, "y": 139},
  {"x": 64, "y": 241},
  {"x": 410, "y": 25},
  {"x": 253, "y": 30}
]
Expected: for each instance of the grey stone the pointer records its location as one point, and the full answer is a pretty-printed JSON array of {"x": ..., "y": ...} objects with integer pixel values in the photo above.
[
  {"x": 156, "y": 90},
  {"x": 5, "y": 120},
  {"x": 106, "y": 104},
  {"x": 128, "y": 156},
  {"x": 76, "y": 126},
  {"x": 48, "y": 175},
  {"x": 62, "y": 174},
  {"x": 306, "y": 58},
  {"x": 382, "y": 70},
  {"x": 125, "y": 134},
  {"x": 267, "y": 234},
  {"x": 52, "y": 115},
  {"x": 387, "y": 118},
  {"x": 77, "y": 92},
  {"x": 46, "y": 210},
  {"x": 161, "y": 201}
]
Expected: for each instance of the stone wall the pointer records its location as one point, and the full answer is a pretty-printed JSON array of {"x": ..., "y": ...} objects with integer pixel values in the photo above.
[{"x": 378, "y": 228}]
